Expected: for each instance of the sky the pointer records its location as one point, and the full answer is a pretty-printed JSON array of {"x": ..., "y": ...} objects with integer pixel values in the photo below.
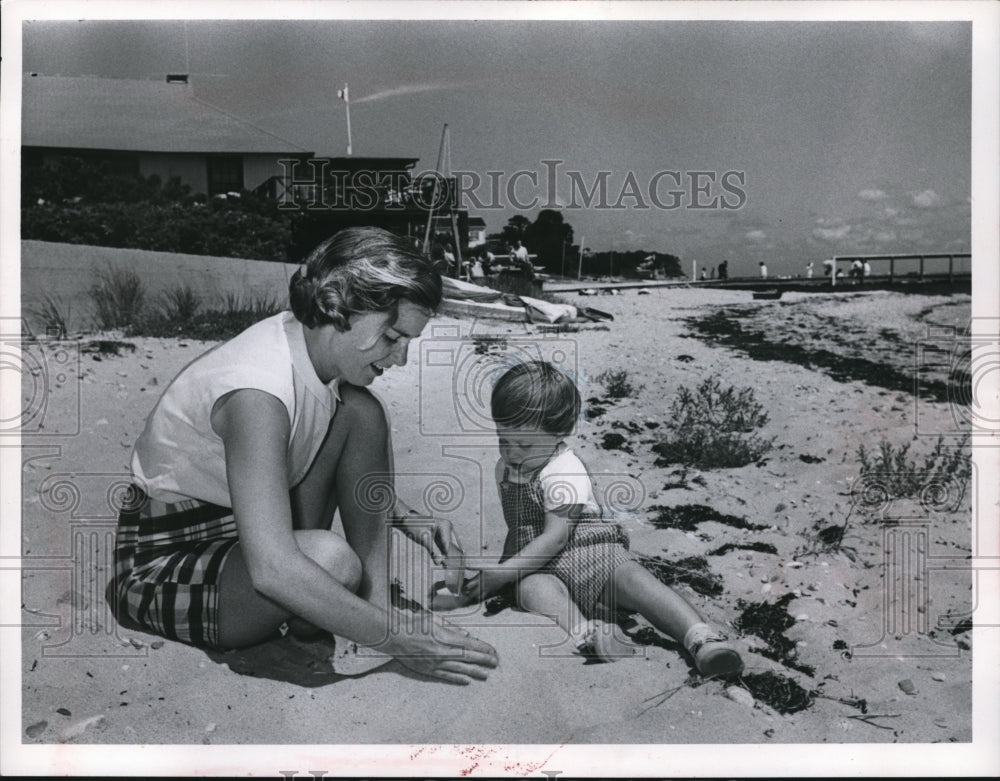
[{"x": 786, "y": 142}]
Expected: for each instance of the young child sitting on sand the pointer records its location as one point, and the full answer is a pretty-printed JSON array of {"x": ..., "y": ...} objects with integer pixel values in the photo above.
[{"x": 564, "y": 559}]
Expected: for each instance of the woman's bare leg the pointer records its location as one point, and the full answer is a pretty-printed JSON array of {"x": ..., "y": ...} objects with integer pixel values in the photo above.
[
  {"x": 360, "y": 561},
  {"x": 247, "y": 617}
]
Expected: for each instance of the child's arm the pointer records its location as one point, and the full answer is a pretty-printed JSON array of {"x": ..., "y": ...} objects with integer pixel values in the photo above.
[{"x": 532, "y": 557}]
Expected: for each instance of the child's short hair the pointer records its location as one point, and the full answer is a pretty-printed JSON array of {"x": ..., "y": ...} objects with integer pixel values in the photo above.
[
  {"x": 361, "y": 270},
  {"x": 536, "y": 395}
]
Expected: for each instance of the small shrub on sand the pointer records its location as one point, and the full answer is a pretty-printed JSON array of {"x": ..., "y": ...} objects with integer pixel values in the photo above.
[
  {"x": 892, "y": 473},
  {"x": 119, "y": 297},
  {"x": 617, "y": 385},
  {"x": 713, "y": 427}
]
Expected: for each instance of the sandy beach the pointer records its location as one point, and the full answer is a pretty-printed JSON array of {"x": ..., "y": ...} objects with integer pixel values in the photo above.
[{"x": 874, "y": 644}]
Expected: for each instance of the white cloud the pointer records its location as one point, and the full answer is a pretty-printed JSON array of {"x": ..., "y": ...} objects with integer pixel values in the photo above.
[
  {"x": 756, "y": 235},
  {"x": 837, "y": 233},
  {"x": 925, "y": 199},
  {"x": 872, "y": 195},
  {"x": 884, "y": 237},
  {"x": 633, "y": 238}
]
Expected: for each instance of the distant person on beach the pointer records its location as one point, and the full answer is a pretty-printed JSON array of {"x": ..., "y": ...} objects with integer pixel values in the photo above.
[
  {"x": 563, "y": 559},
  {"x": 763, "y": 270},
  {"x": 724, "y": 270},
  {"x": 522, "y": 261},
  {"x": 477, "y": 273},
  {"x": 449, "y": 259},
  {"x": 254, "y": 446}
]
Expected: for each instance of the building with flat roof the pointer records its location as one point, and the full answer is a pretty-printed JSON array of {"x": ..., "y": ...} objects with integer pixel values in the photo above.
[{"x": 147, "y": 127}]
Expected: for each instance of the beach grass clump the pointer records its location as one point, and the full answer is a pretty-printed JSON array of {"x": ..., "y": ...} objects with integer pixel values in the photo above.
[
  {"x": 891, "y": 472},
  {"x": 119, "y": 297},
  {"x": 54, "y": 314},
  {"x": 179, "y": 303},
  {"x": 235, "y": 313},
  {"x": 617, "y": 384},
  {"x": 713, "y": 426}
]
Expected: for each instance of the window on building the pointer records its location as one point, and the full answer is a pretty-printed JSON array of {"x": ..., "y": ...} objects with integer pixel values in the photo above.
[{"x": 225, "y": 174}]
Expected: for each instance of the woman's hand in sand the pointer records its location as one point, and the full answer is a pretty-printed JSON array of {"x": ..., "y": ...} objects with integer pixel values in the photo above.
[{"x": 431, "y": 647}]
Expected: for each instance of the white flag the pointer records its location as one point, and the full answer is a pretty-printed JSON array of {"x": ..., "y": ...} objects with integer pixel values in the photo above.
[{"x": 342, "y": 93}]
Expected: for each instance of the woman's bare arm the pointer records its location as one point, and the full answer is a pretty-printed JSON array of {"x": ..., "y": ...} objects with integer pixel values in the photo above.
[{"x": 254, "y": 427}]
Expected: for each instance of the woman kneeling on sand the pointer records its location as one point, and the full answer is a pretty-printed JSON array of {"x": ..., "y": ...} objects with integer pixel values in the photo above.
[{"x": 256, "y": 444}]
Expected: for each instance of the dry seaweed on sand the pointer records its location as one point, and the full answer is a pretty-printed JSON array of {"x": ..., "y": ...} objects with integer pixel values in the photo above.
[
  {"x": 692, "y": 570},
  {"x": 778, "y": 691},
  {"x": 759, "y": 547},
  {"x": 731, "y": 328},
  {"x": 686, "y": 517},
  {"x": 503, "y": 599},
  {"x": 768, "y": 622},
  {"x": 107, "y": 347},
  {"x": 614, "y": 441}
]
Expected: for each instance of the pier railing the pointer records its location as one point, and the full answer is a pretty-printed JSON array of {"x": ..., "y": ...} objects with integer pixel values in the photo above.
[{"x": 921, "y": 258}]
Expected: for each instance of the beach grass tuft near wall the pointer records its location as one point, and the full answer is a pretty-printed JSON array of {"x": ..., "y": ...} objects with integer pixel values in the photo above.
[{"x": 118, "y": 296}]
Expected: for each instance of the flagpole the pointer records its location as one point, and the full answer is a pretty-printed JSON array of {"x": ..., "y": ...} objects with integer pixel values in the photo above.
[{"x": 346, "y": 97}]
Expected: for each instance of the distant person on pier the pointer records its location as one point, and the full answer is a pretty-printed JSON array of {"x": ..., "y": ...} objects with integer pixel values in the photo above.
[
  {"x": 704, "y": 275},
  {"x": 868, "y": 269},
  {"x": 857, "y": 271},
  {"x": 724, "y": 270},
  {"x": 809, "y": 270},
  {"x": 763, "y": 270}
]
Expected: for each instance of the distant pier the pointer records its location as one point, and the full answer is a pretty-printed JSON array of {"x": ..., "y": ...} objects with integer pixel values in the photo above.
[{"x": 932, "y": 273}]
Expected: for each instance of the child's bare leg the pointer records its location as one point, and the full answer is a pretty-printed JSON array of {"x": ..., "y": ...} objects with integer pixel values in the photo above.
[
  {"x": 547, "y": 595},
  {"x": 636, "y": 589},
  {"x": 633, "y": 587}
]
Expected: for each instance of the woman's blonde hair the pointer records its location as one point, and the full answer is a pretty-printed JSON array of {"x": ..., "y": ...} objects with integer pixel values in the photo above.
[{"x": 361, "y": 270}]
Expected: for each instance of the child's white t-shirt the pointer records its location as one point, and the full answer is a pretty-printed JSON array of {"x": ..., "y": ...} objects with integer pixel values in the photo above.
[
  {"x": 178, "y": 455},
  {"x": 564, "y": 480}
]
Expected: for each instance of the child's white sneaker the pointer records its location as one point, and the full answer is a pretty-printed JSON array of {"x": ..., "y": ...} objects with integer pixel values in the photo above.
[
  {"x": 599, "y": 640},
  {"x": 713, "y": 655}
]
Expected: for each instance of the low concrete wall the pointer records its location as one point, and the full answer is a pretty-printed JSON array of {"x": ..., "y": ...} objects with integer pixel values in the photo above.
[{"x": 68, "y": 271}]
